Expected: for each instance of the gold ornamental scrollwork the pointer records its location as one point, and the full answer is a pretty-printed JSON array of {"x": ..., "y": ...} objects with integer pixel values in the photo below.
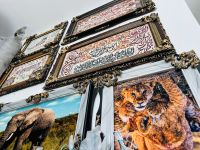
[
  {"x": 60, "y": 26},
  {"x": 81, "y": 86},
  {"x": 64, "y": 50},
  {"x": 37, "y": 75},
  {"x": 37, "y": 98},
  {"x": 51, "y": 79},
  {"x": 165, "y": 44},
  {"x": 151, "y": 18},
  {"x": 108, "y": 79},
  {"x": 183, "y": 60},
  {"x": 150, "y": 5}
]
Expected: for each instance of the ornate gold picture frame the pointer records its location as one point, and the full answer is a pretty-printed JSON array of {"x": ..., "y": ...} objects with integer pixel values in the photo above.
[
  {"x": 106, "y": 16},
  {"x": 43, "y": 41},
  {"x": 28, "y": 71},
  {"x": 133, "y": 44}
]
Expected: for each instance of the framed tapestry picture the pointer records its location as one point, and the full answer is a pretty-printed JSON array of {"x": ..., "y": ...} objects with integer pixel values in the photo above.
[
  {"x": 106, "y": 16},
  {"x": 41, "y": 42},
  {"x": 46, "y": 125},
  {"x": 117, "y": 49},
  {"x": 157, "y": 108},
  {"x": 29, "y": 71}
]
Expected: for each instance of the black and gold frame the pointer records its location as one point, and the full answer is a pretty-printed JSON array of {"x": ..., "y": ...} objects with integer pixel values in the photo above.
[
  {"x": 133, "y": 44},
  {"x": 106, "y": 16},
  {"x": 43, "y": 41},
  {"x": 28, "y": 71}
]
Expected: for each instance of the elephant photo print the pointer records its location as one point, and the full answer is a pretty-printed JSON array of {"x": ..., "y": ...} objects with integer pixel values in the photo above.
[
  {"x": 48, "y": 125},
  {"x": 156, "y": 112}
]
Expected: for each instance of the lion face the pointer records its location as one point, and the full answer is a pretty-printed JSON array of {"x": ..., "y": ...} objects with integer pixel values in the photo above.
[{"x": 139, "y": 95}]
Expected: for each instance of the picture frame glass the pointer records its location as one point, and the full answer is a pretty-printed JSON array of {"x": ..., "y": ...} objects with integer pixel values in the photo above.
[
  {"x": 25, "y": 71},
  {"x": 40, "y": 42},
  {"x": 120, "y": 9},
  {"x": 156, "y": 111},
  {"x": 56, "y": 117},
  {"x": 115, "y": 48}
]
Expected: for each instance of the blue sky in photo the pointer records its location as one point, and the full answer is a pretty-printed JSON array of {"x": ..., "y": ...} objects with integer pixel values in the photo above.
[{"x": 62, "y": 107}]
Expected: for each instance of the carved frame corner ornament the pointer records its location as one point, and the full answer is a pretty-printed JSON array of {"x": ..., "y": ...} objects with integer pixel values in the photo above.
[
  {"x": 37, "y": 75},
  {"x": 59, "y": 36},
  {"x": 183, "y": 60},
  {"x": 165, "y": 44},
  {"x": 37, "y": 98},
  {"x": 108, "y": 80},
  {"x": 51, "y": 79},
  {"x": 149, "y": 6},
  {"x": 64, "y": 50},
  {"x": 151, "y": 18}
]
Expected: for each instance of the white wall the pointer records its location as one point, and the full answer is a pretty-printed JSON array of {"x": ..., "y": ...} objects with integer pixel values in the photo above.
[
  {"x": 194, "y": 5},
  {"x": 180, "y": 25},
  {"x": 39, "y": 15}
]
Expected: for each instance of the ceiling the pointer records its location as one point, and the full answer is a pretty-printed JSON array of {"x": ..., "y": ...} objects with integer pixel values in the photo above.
[{"x": 40, "y": 15}]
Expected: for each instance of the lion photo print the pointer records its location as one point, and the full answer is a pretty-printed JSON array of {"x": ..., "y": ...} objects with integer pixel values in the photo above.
[{"x": 157, "y": 112}]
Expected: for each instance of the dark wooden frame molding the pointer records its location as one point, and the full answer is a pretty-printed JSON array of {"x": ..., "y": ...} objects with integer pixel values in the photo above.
[
  {"x": 144, "y": 7},
  {"x": 39, "y": 76},
  {"x": 163, "y": 48},
  {"x": 62, "y": 26}
]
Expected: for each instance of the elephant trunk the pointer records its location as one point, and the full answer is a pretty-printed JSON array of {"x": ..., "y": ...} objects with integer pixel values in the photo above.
[
  {"x": 7, "y": 135},
  {"x": 2, "y": 140}
]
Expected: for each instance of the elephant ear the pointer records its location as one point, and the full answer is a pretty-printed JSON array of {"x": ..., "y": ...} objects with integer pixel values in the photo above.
[{"x": 31, "y": 118}]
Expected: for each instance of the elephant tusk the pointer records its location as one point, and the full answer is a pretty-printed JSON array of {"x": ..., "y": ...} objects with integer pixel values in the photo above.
[{"x": 10, "y": 137}]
